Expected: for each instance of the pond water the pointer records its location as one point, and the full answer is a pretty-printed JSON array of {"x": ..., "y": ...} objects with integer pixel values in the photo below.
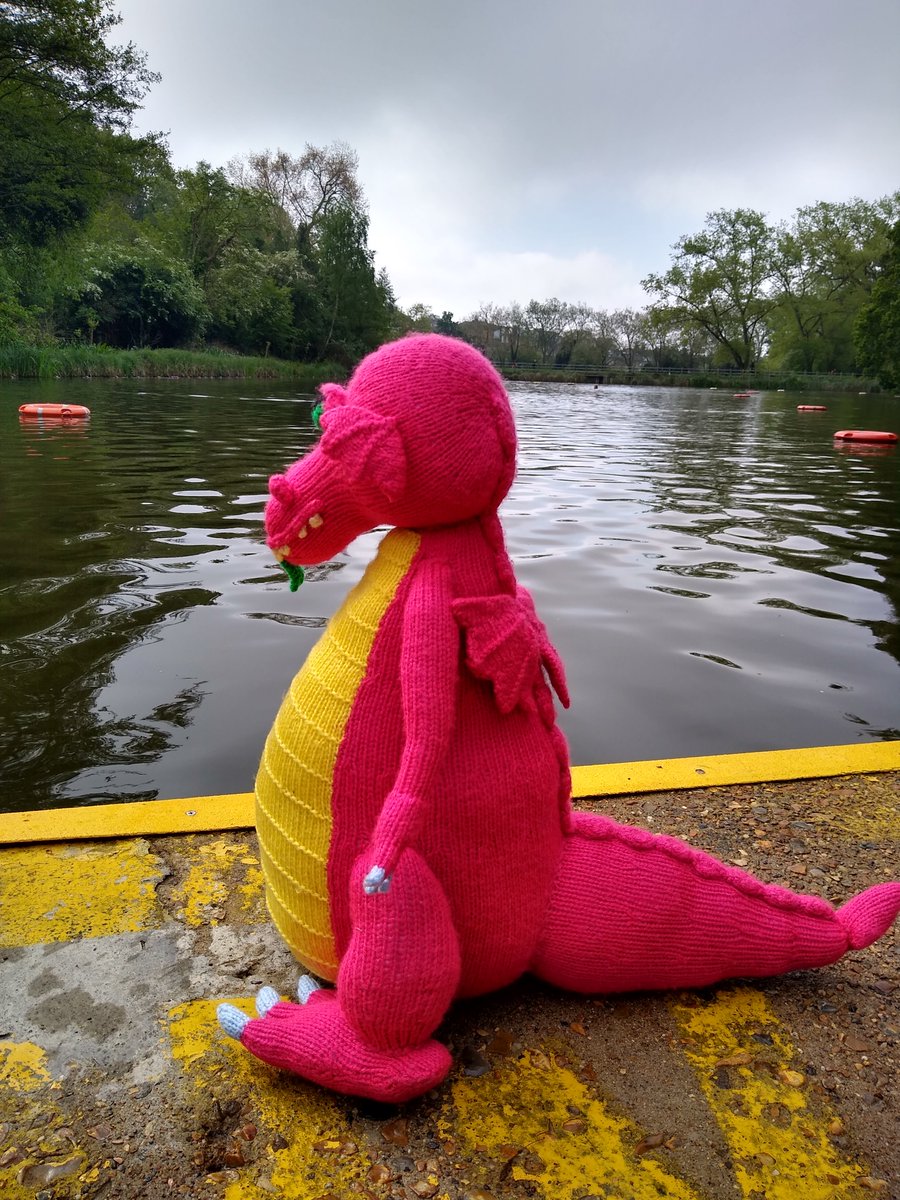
[{"x": 716, "y": 574}]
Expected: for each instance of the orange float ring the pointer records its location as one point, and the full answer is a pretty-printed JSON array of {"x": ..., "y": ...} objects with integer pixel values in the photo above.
[
  {"x": 812, "y": 408},
  {"x": 864, "y": 435},
  {"x": 54, "y": 410}
]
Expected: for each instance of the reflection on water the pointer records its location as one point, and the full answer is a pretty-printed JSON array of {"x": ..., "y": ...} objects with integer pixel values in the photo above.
[{"x": 716, "y": 573}]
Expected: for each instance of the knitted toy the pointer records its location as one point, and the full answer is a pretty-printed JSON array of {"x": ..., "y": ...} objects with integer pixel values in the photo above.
[{"x": 413, "y": 799}]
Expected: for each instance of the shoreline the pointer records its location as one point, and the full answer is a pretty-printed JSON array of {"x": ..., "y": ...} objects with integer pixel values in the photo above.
[{"x": 92, "y": 362}]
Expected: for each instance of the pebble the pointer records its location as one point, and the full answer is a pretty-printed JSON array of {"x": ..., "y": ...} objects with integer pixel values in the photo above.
[{"x": 39, "y": 1174}]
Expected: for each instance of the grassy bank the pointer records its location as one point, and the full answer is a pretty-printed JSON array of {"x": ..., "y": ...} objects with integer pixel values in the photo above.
[{"x": 100, "y": 362}]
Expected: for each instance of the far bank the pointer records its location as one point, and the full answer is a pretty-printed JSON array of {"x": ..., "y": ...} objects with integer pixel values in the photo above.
[{"x": 101, "y": 362}]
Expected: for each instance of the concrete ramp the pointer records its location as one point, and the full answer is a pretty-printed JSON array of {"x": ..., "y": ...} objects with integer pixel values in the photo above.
[{"x": 122, "y": 927}]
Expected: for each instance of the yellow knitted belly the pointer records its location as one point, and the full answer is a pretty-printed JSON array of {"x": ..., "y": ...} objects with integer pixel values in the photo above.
[{"x": 294, "y": 782}]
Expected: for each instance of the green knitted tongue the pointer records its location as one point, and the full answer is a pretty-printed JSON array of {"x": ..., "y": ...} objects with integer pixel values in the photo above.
[{"x": 294, "y": 574}]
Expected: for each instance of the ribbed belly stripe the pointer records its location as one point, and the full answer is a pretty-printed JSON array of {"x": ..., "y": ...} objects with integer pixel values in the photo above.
[{"x": 294, "y": 783}]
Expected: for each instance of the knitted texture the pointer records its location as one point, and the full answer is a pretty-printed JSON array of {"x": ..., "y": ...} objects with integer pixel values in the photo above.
[
  {"x": 294, "y": 782},
  {"x": 413, "y": 801}
]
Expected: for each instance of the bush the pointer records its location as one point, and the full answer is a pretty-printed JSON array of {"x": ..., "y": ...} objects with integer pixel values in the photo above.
[{"x": 137, "y": 296}]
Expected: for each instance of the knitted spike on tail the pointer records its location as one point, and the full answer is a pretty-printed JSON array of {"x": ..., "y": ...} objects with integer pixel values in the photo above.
[{"x": 870, "y": 914}]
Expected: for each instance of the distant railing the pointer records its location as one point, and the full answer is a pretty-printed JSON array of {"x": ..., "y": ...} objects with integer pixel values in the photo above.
[{"x": 619, "y": 373}]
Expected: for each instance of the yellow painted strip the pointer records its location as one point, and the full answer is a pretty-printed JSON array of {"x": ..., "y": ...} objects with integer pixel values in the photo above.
[
  {"x": 206, "y": 889},
  {"x": 23, "y": 1066},
  {"x": 211, "y": 814},
  {"x": 60, "y": 893},
  {"x": 525, "y": 1104},
  {"x": 745, "y": 1064},
  {"x": 34, "y": 1135},
  {"x": 317, "y": 1157},
  {"x": 672, "y": 774},
  {"x": 525, "y": 1109},
  {"x": 145, "y": 818}
]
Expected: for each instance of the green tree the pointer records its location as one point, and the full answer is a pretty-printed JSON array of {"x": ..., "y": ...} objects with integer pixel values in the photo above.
[
  {"x": 721, "y": 280},
  {"x": 308, "y": 188},
  {"x": 513, "y": 325},
  {"x": 878, "y": 324},
  {"x": 137, "y": 296},
  {"x": 354, "y": 306},
  {"x": 66, "y": 102},
  {"x": 210, "y": 218},
  {"x": 18, "y": 322},
  {"x": 546, "y": 321},
  {"x": 418, "y": 318},
  {"x": 446, "y": 325},
  {"x": 825, "y": 263},
  {"x": 250, "y": 297},
  {"x": 629, "y": 330}
]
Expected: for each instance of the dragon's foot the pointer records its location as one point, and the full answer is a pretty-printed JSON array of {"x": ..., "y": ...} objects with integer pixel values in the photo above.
[{"x": 315, "y": 1040}]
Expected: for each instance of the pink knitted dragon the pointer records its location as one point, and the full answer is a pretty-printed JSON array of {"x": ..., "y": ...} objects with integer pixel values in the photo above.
[{"x": 413, "y": 800}]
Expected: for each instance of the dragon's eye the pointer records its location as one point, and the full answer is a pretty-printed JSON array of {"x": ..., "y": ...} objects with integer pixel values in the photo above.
[{"x": 317, "y": 414}]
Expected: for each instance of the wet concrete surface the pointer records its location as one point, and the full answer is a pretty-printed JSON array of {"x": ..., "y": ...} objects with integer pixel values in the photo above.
[{"x": 116, "y": 1082}]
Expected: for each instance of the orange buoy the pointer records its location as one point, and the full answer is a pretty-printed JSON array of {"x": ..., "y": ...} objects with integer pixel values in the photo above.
[
  {"x": 53, "y": 410},
  {"x": 864, "y": 435},
  {"x": 812, "y": 408}
]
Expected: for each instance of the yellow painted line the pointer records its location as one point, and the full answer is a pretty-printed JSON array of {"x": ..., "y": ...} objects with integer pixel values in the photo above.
[
  {"x": 145, "y": 818},
  {"x": 524, "y": 1107},
  {"x": 316, "y": 1156},
  {"x": 768, "y": 766},
  {"x": 205, "y": 814},
  {"x": 61, "y": 893},
  {"x": 746, "y": 1067},
  {"x": 522, "y": 1114},
  {"x": 23, "y": 1066}
]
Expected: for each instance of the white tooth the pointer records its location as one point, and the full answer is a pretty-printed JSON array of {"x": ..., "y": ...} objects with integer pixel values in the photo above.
[
  {"x": 316, "y": 520},
  {"x": 301, "y": 533}
]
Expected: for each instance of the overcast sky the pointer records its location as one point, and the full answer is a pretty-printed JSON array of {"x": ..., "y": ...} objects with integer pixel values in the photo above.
[{"x": 516, "y": 149}]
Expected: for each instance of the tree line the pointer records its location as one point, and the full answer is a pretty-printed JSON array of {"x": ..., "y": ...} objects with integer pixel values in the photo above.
[
  {"x": 820, "y": 293},
  {"x": 104, "y": 241}
]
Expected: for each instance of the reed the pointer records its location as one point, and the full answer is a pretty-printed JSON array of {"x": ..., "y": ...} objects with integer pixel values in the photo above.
[{"x": 101, "y": 362}]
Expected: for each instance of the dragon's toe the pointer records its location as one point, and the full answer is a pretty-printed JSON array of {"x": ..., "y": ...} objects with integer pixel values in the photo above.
[
  {"x": 266, "y": 997},
  {"x": 232, "y": 1020},
  {"x": 306, "y": 987}
]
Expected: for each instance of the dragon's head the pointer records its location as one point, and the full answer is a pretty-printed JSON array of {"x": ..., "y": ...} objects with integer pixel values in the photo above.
[{"x": 421, "y": 436}]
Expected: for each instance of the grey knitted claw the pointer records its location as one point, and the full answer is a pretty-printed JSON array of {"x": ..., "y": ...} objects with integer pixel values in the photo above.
[
  {"x": 232, "y": 1020},
  {"x": 376, "y": 881},
  {"x": 266, "y": 997},
  {"x": 306, "y": 985}
]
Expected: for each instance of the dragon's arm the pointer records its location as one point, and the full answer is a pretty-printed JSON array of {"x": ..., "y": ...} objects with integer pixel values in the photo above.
[{"x": 429, "y": 672}]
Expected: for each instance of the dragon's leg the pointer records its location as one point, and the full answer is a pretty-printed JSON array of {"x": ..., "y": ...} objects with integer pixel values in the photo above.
[
  {"x": 371, "y": 1036},
  {"x": 632, "y": 910}
]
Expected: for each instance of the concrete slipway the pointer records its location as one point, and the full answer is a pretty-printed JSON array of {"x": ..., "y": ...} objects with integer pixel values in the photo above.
[{"x": 122, "y": 926}]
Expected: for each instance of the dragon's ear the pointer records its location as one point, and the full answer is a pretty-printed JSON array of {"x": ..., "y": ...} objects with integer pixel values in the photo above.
[{"x": 368, "y": 447}]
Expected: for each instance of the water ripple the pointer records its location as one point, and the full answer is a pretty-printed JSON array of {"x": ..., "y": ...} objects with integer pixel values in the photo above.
[{"x": 147, "y": 637}]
